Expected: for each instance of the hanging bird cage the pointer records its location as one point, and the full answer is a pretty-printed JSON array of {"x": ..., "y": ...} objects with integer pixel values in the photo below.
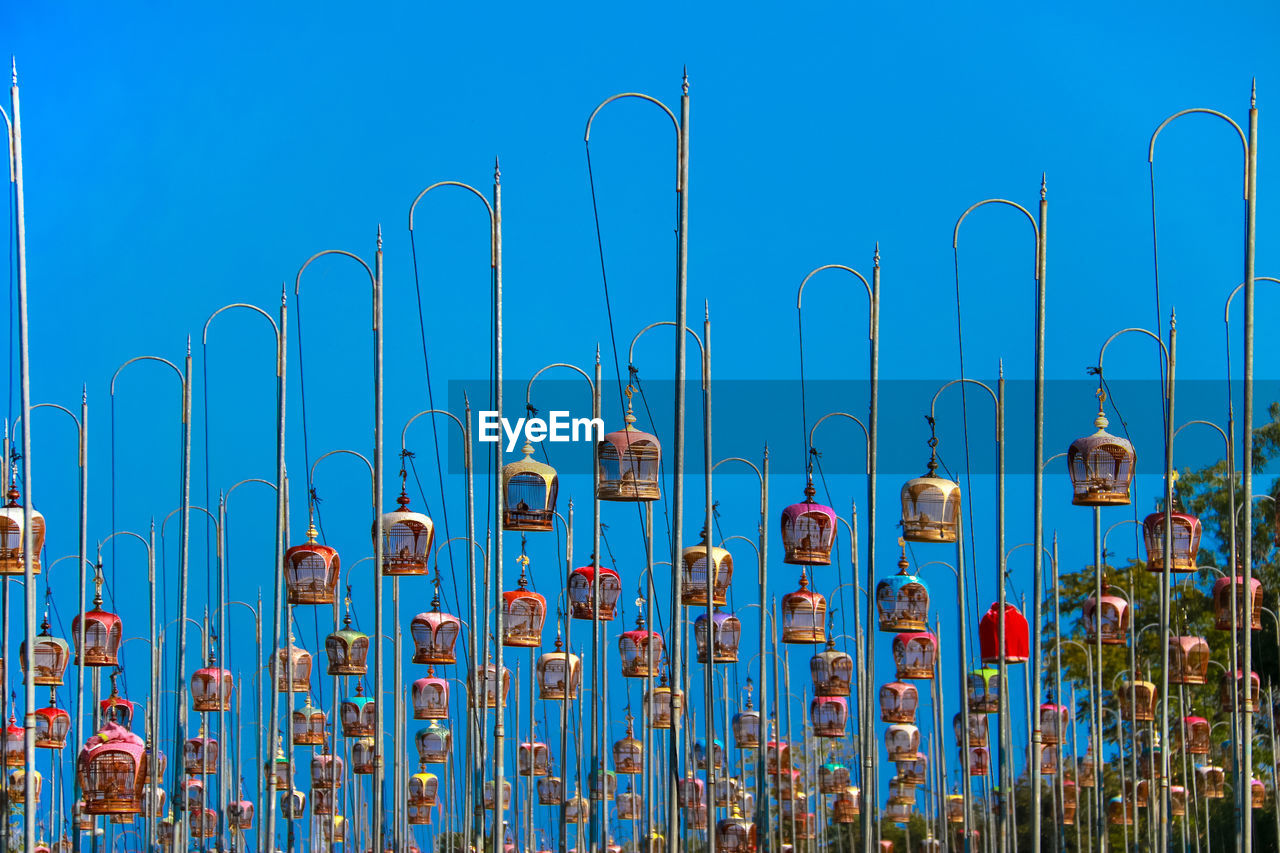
[
  {"x": 1186, "y": 539},
  {"x": 348, "y": 649},
  {"x": 898, "y": 702},
  {"x": 13, "y": 519},
  {"x": 786, "y": 786},
  {"x": 979, "y": 761},
  {"x": 110, "y": 770},
  {"x": 602, "y": 786},
  {"x": 552, "y": 669},
  {"x": 1101, "y": 466},
  {"x": 915, "y": 654},
  {"x": 886, "y": 846},
  {"x": 984, "y": 691},
  {"x": 1055, "y": 722},
  {"x": 577, "y": 810},
  {"x": 746, "y": 724},
  {"x": 735, "y": 834},
  {"x": 902, "y": 741},
  {"x": 419, "y": 815},
  {"x": 747, "y": 801},
  {"x": 808, "y": 531},
  {"x": 193, "y": 793},
  {"x": 165, "y": 832},
  {"x": 523, "y": 613},
  {"x": 1250, "y": 604},
  {"x": 200, "y": 755},
  {"x": 1017, "y": 638},
  {"x": 664, "y": 704},
  {"x": 17, "y": 786},
  {"x": 695, "y": 818},
  {"x": 162, "y": 763},
  {"x": 1211, "y": 781},
  {"x": 1188, "y": 660},
  {"x": 102, "y": 632},
  {"x": 1113, "y": 614},
  {"x": 899, "y": 813},
  {"x": 1231, "y": 692},
  {"x": 14, "y": 735},
  {"x": 829, "y": 716},
  {"x": 728, "y": 792},
  {"x": 293, "y": 805},
  {"x": 489, "y": 795},
  {"x": 52, "y": 654},
  {"x": 690, "y": 791},
  {"x": 903, "y": 601},
  {"x": 364, "y": 756},
  {"x": 831, "y": 671},
  {"x": 727, "y": 633},
  {"x": 406, "y": 538},
  {"x": 1137, "y": 700},
  {"x": 550, "y": 791},
  {"x": 1119, "y": 812},
  {"x": 637, "y": 648},
  {"x": 116, "y": 708},
  {"x": 533, "y": 759},
  {"x": 1193, "y": 735},
  {"x": 434, "y": 743},
  {"x": 847, "y": 805},
  {"x": 901, "y": 793},
  {"x": 488, "y": 676},
  {"x": 275, "y": 771},
  {"x": 528, "y": 494},
  {"x": 913, "y": 772},
  {"x": 693, "y": 574},
  {"x": 240, "y": 814},
  {"x": 978, "y": 728},
  {"x": 1069, "y": 802},
  {"x": 435, "y": 634},
  {"x": 295, "y": 663},
  {"x": 628, "y": 751},
  {"x": 211, "y": 688},
  {"x": 777, "y": 757},
  {"x": 204, "y": 824},
  {"x": 628, "y": 463},
  {"x": 311, "y": 571},
  {"x": 323, "y": 801},
  {"x": 1086, "y": 774},
  {"x": 700, "y": 754},
  {"x": 358, "y": 714},
  {"x": 833, "y": 777},
  {"x": 930, "y": 504},
  {"x": 628, "y": 805},
  {"x": 1257, "y": 794},
  {"x": 309, "y": 725},
  {"x": 804, "y": 614},
  {"x": 423, "y": 790},
  {"x": 430, "y": 697},
  {"x": 582, "y": 593},
  {"x": 1137, "y": 795},
  {"x": 955, "y": 808},
  {"x": 1177, "y": 801},
  {"x": 52, "y": 725},
  {"x": 1049, "y": 761},
  {"x": 327, "y": 771}
]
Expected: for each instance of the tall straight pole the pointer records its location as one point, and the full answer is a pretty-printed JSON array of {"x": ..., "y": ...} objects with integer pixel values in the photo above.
[
  {"x": 762, "y": 787},
  {"x": 278, "y": 599},
  {"x": 1100, "y": 810},
  {"x": 379, "y": 679},
  {"x": 709, "y": 686},
  {"x": 1005, "y": 718},
  {"x": 499, "y": 736},
  {"x": 599, "y": 698},
  {"x": 184, "y": 517},
  {"x": 1037, "y": 509},
  {"x": 1251, "y": 203},
  {"x": 967, "y": 780},
  {"x": 153, "y": 706},
  {"x": 1162, "y": 817},
  {"x": 869, "y": 800},
  {"x": 568, "y": 691},
  {"x": 84, "y": 556}
]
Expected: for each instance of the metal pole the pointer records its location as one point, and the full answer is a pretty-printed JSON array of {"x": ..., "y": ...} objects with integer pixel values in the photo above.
[
  {"x": 762, "y": 788},
  {"x": 966, "y": 778},
  {"x": 1006, "y": 710},
  {"x": 278, "y": 600},
  {"x": 599, "y": 699},
  {"x": 185, "y": 526},
  {"x": 1037, "y": 737},
  {"x": 83, "y": 555},
  {"x": 499, "y": 736},
  {"x": 869, "y": 800},
  {"x": 568, "y": 694},
  {"x": 1100, "y": 814},
  {"x": 379, "y": 712},
  {"x": 713, "y": 570},
  {"x": 1251, "y": 188},
  {"x": 1161, "y": 817}
]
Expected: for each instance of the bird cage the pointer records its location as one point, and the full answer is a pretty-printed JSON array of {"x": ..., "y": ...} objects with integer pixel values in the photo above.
[
  {"x": 423, "y": 790},
  {"x": 663, "y": 704},
  {"x": 903, "y": 601},
  {"x": 735, "y": 834},
  {"x": 978, "y": 728},
  {"x": 292, "y": 669},
  {"x": 211, "y": 688},
  {"x": 162, "y": 762},
  {"x": 746, "y": 801},
  {"x": 550, "y": 791},
  {"x": 430, "y": 697},
  {"x": 1086, "y": 773},
  {"x": 1186, "y": 540},
  {"x": 165, "y": 831},
  {"x": 418, "y": 815},
  {"x": 293, "y": 805},
  {"x": 204, "y": 824},
  {"x": 915, "y": 654},
  {"x": 693, "y": 574},
  {"x": 829, "y": 716},
  {"x": 727, "y": 633},
  {"x": 17, "y": 786},
  {"x": 1137, "y": 700},
  {"x": 602, "y": 786},
  {"x": 309, "y": 725},
  {"x": 746, "y": 727},
  {"x": 847, "y": 805},
  {"x": 311, "y": 571},
  {"x": 1188, "y": 660},
  {"x": 240, "y": 814},
  {"x": 348, "y": 650},
  {"x": 833, "y": 777},
  {"x": 523, "y": 613},
  {"x": 489, "y": 795},
  {"x": 116, "y": 708},
  {"x": 1049, "y": 761},
  {"x": 559, "y": 674},
  {"x": 1069, "y": 802},
  {"x": 577, "y": 810},
  {"x": 434, "y": 743},
  {"x": 640, "y": 650},
  {"x": 808, "y": 531},
  {"x": 1101, "y": 466},
  {"x": 1257, "y": 794},
  {"x": 831, "y": 671},
  {"x": 1017, "y": 638},
  {"x": 900, "y": 793},
  {"x": 326, "y": 771},
  {"x": 434, "y": 635},
  {"x": 930, "y": 507},
  {"x": 200, "y": 755},
  {"x": 700, "y": 754},
  {"x": 1055, "y": 722},
  {"x": 486, "y": 678},
  {"x": 695, "y": 818},
  {"x": 110, "y": 770},
  {"x": 984, "y": 691},
  {"x": 628, "y": 752},
  {"x": 628, "y": 463},
  {"x": 582, "y": 593},
  {"x": 777, "y": 757},
  {"x": 804, "y": 614},
  {"x": 323, "y": 801},
  {"x": 1211, "y": 781},
  {"x": 13, "y": 519},
  {"x": 1112, "y": 616},
  {"x": 406, "y": 538},
  {"x": 364, "y": 757},
  {"x": 1177, "y": 801},
  {"x": 979, "y": 761},
  {"x": 52, "y": 654},
  {"x": 690, "y": 791},
  {"x": 1232, "y": 691},
  {"x": 1222, "y": 595},
  {"x": 787, "y": 786},
  {"x": 193, "y": 794},
  {"x": 899, "y": 813},
  {"x": 628, "y": 805},
  {"x": 102, "y": 633},
  {"x": 14, "y": 749},
  {"x": 1193, "y": 735},
  {"x": 954, "y": 808},
  {"x": 52, "y": 725},
  {"x": 528, "y": 493},
  {"x": 902, "y": 741},
  {"x": 533, "y": 759},
  {"x": 728, "y": 792},
  {"x": 913, "y": 772},
  {"x": 885, "y": 846},
  {"x": 1119, "y": 812},
  {"x": 358, "y": 714}
]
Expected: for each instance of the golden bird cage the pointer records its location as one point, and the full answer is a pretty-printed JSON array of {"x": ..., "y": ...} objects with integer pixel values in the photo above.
[
  {"x": 291, "y": 669},
  {"x": 664, "y": 704},
  {"x": 735, "y": 834},
  {"x": 1177, "y": 801},
  {"x": 628, "y": 805},
  {"x": 1211, "y": 781},
  {"x": 693, "y": 574},
  {"x": 804, "y": 614},
  {"x": 628, "y": 751},
  {"x": 1186, "y": 540},
  {"x": 406, "y": 538},
  {"x": 559, "y": 674},
  {"x": 1137, "y": 700},
  {"x": 489, "y": 795},
  {"x": 13, "y": 520},
  {"x": 1119, "y": 812},
  {"x": 914, "y": 772},
  {"x": 1101, "y": 466},
  {"x": 726, "y": 634},
  {"x": 364, "y": 758},
  {"x": 847, "y": 805},
  {"x": 577, "y": 810},
  {"x": 528, "y": 494},
  {"x": 930, "y": 507},
  {"x": 901, "y": 793},
  {"x": 831, "y": 671},
  {"x": 52, "y": 654},
  {"x": 16, "y": 789},
  {"x": 485, "y": 679}
]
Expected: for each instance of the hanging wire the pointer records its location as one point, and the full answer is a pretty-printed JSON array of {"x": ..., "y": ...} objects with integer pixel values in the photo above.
[{"x": 964, "y": 411}]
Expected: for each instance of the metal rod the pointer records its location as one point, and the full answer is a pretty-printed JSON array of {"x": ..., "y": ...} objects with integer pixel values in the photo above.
[{"x": 1251, "y": 202}]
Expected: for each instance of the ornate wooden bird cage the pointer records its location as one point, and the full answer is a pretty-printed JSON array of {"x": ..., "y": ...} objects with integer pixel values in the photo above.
[
  {"x": 833, "y": 777},
  {"x": 804, "y": 614},
  {"x": 746, "y": 724},
  {"x": 602, "y": 786},
  {"x": 641, "y": 651},
  {"x": 915, "y": 654},
  {"x": 327, "y": 771},
  {"x": 1188, "y": 660},
  {"x": 978, "y": 728},
  {"x": 311, "y": 571},
  {"x": 829, "y": 716},
  {"x": 533, "y": 759},
  {"x": 1017, "y": 638},
  {"x": 17, "y": 785},
  {"x": 1186, "y": 540},
  {"x": 979, "y": 761},
  {"x": 559, "y": 674},
  {"x": 847, "y": 805},
  {"x": 52, "y": 654},
  {"x": 808, "y": 531},
  {"x": 358, "y": 714},
  {"x": 955, "y": 808},
  {"x": 902, "y": 741},
  {"x": 1245, "y": 605},
  {"x": 1049, "y": 761},
  {"x": 348, "y": 650},
  {"x": 110, "y": 770},
  {"x": 628, "y": 751},
  {"x": 212, "y": 687},
  {"x": 52, "y": 725},
  {"x": 577, "y": 810},
  {"x": 550, "y": 791},
  {"x": 1233, "y": 695},
  {"x": 1086, "y": 772},
  {"x": 490, "y": 796},
  {"x": 1257, "y": 794},
  {"x": 984, "y": 691},
  {"x": 664, "y": 704},
  {"x": 200, "y": 755},
  {"x": 240, "y": 814},
  {"x": 930, "y": 506},
  {"x": 1101, "y": 466},
  {"x": 831, "y": 671},
  {"x": 116, "y": 708},
  {"x": 1193, "y": 735},
  {"x": 1211, "y": 781},
  {"x": 1112, "y": 616},
  {"x": 728, "y": 792},
  {"x": 364, "y": 757},
  {"x": 523, "y": 612},
  {"x": 406, "y": 538},
  {"x": 292, "y": 669},
  {"x": 162, "y": 763},
  {"x": 485, "y": 680},
  {"x": 899, "y": 813},
  {"x": 430, "y": 697},
  {"x": 1177, "y": 801},
  {"x": 309, "y": 725},
  {"x": 735, "y": 834},
  {"x": 777, "y": 757},
  {"x": 690, "y": 791},
  {"x": 1069, "y": 802},
  {"x": 726, "y": 634},
  {"x": 914, "y": 772},
  {"x": 422, "y": 791},
  {"x": 582, "y": 593},
  {"x": 204, "y": 824},
  {"x": 1119, "y": 812},
  {"x": 1137, "y": 700},
  {"x": 13, "y": 520},
  {"x": 901, "y": 793},
  {"x": 700, "y": 754},
  {"x": 435, "y": 635},
  {"x": 693, "y": 574},
  {"x": 1055, "y": 722},
  {"x": 903, "y": 601},
  {"x": 293, "y": 805},
  {"x": 628, "y": 463},
  {"x": 434, "y": 743},
  {"x": 528, "y": 493},
  {"x": 102, "y": 631}
]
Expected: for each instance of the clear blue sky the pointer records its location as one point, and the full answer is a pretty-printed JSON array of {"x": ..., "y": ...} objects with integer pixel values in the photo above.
[{"x": 178, "y": 160}]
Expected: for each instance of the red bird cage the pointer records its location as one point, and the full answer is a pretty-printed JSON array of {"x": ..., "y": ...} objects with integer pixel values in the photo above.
[
  {"x": 311, "y": 571},
  {"x": 406, "y": 538},
  {"x": 628, "y": 463},
  {"x": 52, "y": 725},
  {"x": 693, "y": 574},
  {"x": 1101, "y": 466},
  {"x": 523, "y": 613},
  {"x": 13, "y": 520},
  {"x": 102, "y": 630},
  {"x": 430, "y": 697},
  {"x": 1112, "y": 616},
  {"x": 979, "y": 761},
  {"x": 808, "y": 531},
  {"x": 804, "y": 614},
  {"x": 110, "y": 770},
  {"x": 1017, "y": 638},
  {"x": 914, "y": 772},
  {"x": 915, "y": 654},
  {"x": 831, "y": 671},
  {"x": 204, "y": 824},
  {"x": 1186, "y": 540},
  {"x": 559, "y": 674},
  {"x": 1257, "y": 794},
  {"x": 1194, "y": 735},
  {"x": 52, "y": 654},
  {"x": 14, "y": 740},
  {"x": 211, "y": 687},
  {"x": 777, "y": 758},
  {"x": 1188, "y": 660},
  {"x": 641, "y": 651},
  {"x": 898, "y": 702},
  {"x": 582, "y": 593},
  {"x": 240, "y": 814},
  {"x": 529, "y": 493},
  {"x": 1250, "y": 604},
  {"x": 1055, "y": 722}
]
